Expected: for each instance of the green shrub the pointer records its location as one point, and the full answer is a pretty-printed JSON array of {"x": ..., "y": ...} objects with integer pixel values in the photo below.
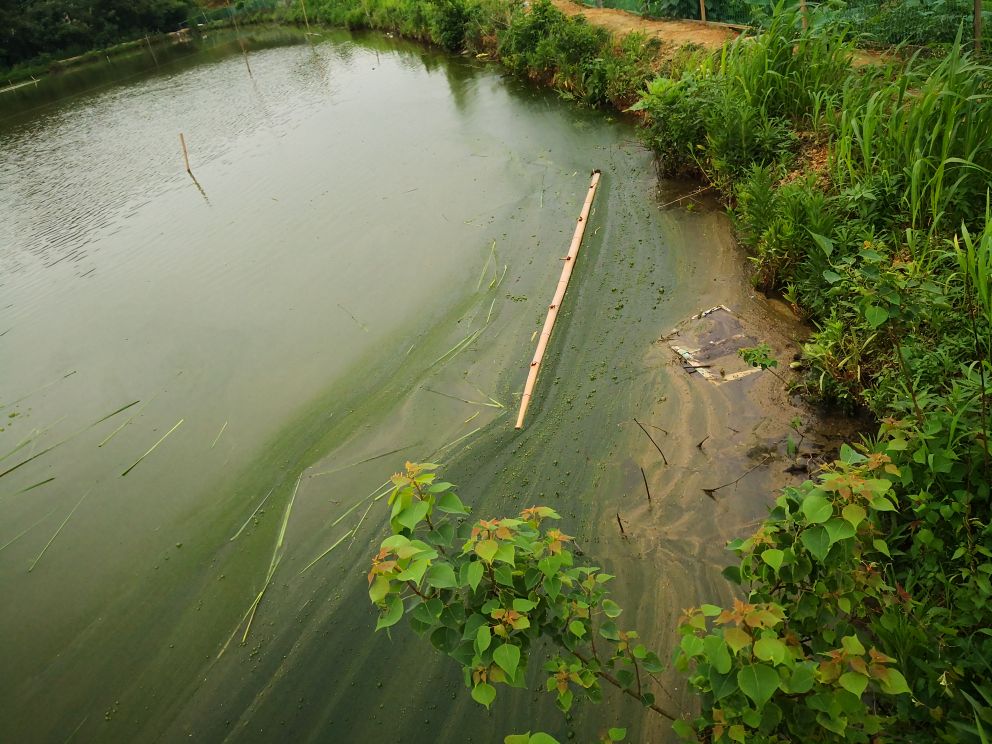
[
  {"x": 580, "y": 60},
  {"x": 675, "y": 126},
  {"x": 740, "y": 135},
  {"x": 448, "y": 21}
]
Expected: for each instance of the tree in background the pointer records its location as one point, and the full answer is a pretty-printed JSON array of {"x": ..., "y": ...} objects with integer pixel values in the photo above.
[{"x": 41, "y": 30}]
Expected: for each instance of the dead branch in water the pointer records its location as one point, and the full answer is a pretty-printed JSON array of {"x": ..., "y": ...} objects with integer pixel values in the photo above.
[
  {"x": 646, "y": 489},
  {"x": 648, "y": 435},
  {"x": 686, "y": 196},
  {"x": 711, "y": 491}
]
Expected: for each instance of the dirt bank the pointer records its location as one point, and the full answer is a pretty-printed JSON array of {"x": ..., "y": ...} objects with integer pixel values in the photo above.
[{"x": 673, "y": 34}]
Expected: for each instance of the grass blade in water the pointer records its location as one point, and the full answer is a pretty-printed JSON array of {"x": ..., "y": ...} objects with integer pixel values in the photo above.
[
  {"x": 36, "y": 485},
  {"x": 497, "y": 283},
  {"x": 32, "y": 437},
  {"x": 119, "y": 410},
  {"x": 485, "y": 266},
  {"x": 343, "y": 538},
  {"x": 64, "y": 523},
  {"x": 252, "y": 516},
  {"x": 22, "y": 533},
  {"x": 443, "y": 447},
  {"x": 276, "y": 558},
  {"x": 129, "y": 420},
  {"x": 152, "y": 449},
  {"x": 36, "y": 456},
  {"x": 453, "y": 351},
  {"x": 217, "y": 438},
  {"x": 455, "y": 397},
  {"x": 37, "y": 390},
  {"x": 72, "y": 436},
  {"x": 362, "y": 462},
  {"x": 354, "y": 531},
  {"x": 375, "y": 496}
]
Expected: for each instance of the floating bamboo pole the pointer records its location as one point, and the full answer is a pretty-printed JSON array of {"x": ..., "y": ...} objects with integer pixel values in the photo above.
[{"x": 549, "y": 323}]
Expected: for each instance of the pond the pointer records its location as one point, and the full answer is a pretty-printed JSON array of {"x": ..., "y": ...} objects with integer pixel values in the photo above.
[{"x": 205, "y": 379}]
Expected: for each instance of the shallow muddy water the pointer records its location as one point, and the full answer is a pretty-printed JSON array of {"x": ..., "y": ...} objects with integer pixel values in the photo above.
[{"x": 354, "y": 279}]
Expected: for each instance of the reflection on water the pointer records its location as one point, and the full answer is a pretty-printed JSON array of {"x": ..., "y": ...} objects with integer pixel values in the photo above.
[{"x": 294, "y": 308}]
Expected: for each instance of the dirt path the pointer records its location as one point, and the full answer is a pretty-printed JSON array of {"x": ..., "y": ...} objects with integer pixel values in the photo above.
[{"x": 674, "y": 34}]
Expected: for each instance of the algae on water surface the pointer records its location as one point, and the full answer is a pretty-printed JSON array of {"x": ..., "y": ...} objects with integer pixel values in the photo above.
[{"x": 358, "y": 173}]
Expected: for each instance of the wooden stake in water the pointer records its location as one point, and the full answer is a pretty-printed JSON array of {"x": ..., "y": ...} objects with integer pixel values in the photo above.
[
  {"x": 148, "y": 41},
  {"x": 305, "y": 19},
  {"x": 237, "y": 30},
  {"x": 549, "y": 324},
  {"x": 182, "y": 142}
]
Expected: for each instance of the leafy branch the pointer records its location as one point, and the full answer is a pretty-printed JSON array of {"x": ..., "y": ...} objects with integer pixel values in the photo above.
[{"x": 485, "y": 592}]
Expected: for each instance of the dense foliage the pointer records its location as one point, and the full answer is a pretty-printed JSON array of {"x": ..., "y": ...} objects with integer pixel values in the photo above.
[
  {"x": 576, "y": 58},
  {"x": 41, "y": 30}
]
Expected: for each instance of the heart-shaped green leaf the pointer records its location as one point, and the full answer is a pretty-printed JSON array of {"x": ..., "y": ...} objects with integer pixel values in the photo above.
[
  {"x": 758, "y": 682},
  {"x": 484, "y": 694},
  {"x": 816, "y": 508},
  {"x": 508, "y": 658}
]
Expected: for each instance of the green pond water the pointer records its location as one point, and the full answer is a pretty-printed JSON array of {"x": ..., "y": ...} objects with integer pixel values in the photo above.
[{"x": 294, "y": 308}]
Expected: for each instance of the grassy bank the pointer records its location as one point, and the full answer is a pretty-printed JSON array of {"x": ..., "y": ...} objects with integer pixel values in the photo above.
[{"x": 862, "y": 195}]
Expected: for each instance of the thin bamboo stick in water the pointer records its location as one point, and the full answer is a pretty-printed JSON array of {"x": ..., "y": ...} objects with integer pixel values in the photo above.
[
  {"x": 182, "y": 142},
  {"x": 549, "y": 323}
]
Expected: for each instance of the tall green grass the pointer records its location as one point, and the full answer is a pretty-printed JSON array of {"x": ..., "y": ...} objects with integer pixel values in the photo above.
[
  {"x": 719, "y": 116},
  {"x": 929, "y": 130}
]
